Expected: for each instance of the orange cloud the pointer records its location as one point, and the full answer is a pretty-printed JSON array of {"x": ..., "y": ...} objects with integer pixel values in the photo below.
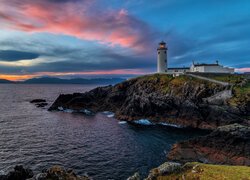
[{"x": 20, "y": 77}]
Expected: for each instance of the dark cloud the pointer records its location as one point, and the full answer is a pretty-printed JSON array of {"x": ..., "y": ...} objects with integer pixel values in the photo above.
[{"x": 12, "y": 55}]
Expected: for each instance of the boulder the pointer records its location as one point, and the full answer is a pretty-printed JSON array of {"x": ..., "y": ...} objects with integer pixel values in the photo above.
[
  {"x": 164, "y": 169},
  {"x": 38, "y": 101},
  {"x": 19, "y": 173},
  {"x": 136, "y": 176}
]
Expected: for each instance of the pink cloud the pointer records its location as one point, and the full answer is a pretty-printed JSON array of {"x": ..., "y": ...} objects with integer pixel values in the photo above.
[
  {"x": 74, "y": 19},
  {"x": 243, "y": 69},
  {"x": 18, "y": 77}
]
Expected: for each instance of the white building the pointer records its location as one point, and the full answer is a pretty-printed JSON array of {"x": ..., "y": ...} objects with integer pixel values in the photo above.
[
  {"x": 210, "y": 68},
  {"x": 162, "y": 57},
  {"x": 162, "y": 66},
  {"x": 178, "y": 70}
]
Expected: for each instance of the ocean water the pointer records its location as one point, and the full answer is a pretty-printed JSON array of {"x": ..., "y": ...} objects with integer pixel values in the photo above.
[{"x": 98, "y": 145}]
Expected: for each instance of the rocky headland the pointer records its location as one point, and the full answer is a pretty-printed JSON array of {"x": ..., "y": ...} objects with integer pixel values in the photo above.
[{"x": 183, "y": 100}]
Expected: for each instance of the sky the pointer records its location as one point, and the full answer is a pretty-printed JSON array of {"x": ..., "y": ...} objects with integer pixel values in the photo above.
[{"x": 119, "y": 38}]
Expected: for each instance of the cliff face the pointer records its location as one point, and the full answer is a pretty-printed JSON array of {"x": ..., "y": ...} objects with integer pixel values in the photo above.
[
  {"x": 226, "y": 145},
  {"x": 160, "y": 98}
]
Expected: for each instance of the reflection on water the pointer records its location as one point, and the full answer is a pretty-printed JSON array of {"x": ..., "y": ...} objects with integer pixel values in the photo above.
[{"x": 98, "y": 145}]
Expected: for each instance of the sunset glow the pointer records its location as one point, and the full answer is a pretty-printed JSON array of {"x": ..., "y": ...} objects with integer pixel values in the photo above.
[{"x": 77, "y": 37}]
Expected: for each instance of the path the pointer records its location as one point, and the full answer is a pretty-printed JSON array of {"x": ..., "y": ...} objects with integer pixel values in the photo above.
[{"x": 209, "y": 79}]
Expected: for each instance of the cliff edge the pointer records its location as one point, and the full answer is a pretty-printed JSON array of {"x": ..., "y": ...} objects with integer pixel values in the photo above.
[{"x": 183, "y": 100}]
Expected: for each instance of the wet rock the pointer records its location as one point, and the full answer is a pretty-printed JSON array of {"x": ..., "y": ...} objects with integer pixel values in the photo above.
[
  {"x": 53, "y": 173},
  {"x": 19, "y": 173},
  {"x": 41, "y": 104},
  {"x": 41, "y": 176},
  {"x": 58, "y": 172},
  {"x": 227, "y": 145},
  {"x": 136, "y": 176},
  {"x": 38, "y": 101}
]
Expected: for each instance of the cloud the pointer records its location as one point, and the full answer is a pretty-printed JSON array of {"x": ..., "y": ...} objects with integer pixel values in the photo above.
[
  {"x": 81, "y": 20},
  {"x": 11, "y": 55}
]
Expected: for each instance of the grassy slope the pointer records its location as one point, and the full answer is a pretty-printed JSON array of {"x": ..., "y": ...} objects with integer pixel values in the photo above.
[
  {"x": 210, "y": 172},
  {"x": 241, "y": 94},
  {"x": 230, "y": 78},
  {"x": 165, "y": 83}
]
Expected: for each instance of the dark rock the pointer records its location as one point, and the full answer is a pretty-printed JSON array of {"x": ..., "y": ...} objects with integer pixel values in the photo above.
[
  {"x": 58, "y": 172},
  {"x": 38, "y": 101},
  {"x": 41, "y": 104},
  {"x": 19, "y": 173},
  {"x": 135, "y": 176},
  {"x": 160, "y": 98},
  {"x": 53, "y": 173},
  {"x": 227, "y": 145},
  {"x": 41, "y": 176}
]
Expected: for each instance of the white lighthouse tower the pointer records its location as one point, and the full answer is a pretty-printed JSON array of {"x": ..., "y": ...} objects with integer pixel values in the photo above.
[{"x": 162, "y": 57}]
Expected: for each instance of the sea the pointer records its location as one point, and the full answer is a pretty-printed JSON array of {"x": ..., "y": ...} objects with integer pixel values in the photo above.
[{"x": 99, "y": 145}]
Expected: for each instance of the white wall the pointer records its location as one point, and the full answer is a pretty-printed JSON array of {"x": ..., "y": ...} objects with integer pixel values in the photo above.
[
  {"x": 211, "y": 69},
  {"x": 161, "y": 60},
  {"x": 173, "y": 71}
]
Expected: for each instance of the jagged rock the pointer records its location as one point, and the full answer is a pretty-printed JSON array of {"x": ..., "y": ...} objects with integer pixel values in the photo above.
[
  {"x": 166, "y": 168},
  {"x": 53, "y": 173},
  {"x": 19, "y": 173},
  {"x": 136, "y": 176},
  {"x": 160, "y": 98},
  {"x": 227, "y": 145},
  {"x": 38, "y": 101},
  {"x": 41, "y": 176},
  {"x": 41, "y": 104},
  {"x": 58, "y": 172}
]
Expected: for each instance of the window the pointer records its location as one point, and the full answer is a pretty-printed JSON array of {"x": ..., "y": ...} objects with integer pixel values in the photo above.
[
  {"x": 158, "y": 52},
  {"x": 165, "y": 52}
]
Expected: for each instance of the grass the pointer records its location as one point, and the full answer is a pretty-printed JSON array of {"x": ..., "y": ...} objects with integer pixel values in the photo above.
[
  {"x": 209, "y": 172},
  {"x": 230, "y": 78},
  {"x": 240, "y": 94},
  {"x": 165, "y": 83}
]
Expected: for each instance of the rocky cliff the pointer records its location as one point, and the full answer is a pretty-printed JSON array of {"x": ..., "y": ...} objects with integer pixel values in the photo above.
[
  {"x": 226, "y": 145},
  {"x": 160, "y": 98}
]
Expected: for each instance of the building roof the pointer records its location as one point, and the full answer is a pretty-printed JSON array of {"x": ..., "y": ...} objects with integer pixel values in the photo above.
[
  {"x": 162, "y": 42},
  {"x": 178, "y": 68},
  {"x": 203, "y": 64}
]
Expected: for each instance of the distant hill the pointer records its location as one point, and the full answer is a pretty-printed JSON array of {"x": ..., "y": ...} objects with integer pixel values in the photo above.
[
  {"x": 51, "y": 80},
  {"x": 4, "y": 81}
]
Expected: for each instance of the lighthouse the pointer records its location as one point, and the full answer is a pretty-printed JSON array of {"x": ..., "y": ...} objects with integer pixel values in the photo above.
[{"x": 162, "y": 57}]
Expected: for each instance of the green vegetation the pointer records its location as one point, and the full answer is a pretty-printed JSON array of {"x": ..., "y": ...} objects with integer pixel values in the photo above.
[
  {"x": 195, "y": 171},
  {"x": 230, "y": 78},
  {"x": 241, "y": 94},
  {"x": 166, "y": 83}
]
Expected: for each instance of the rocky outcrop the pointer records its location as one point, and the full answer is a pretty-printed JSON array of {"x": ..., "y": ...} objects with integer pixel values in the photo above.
[
  {"x": 53, "y": 173},
  {"x": 227, "y": 145},
  {"x": 165, "y": 168},
  {"x": 39, "y": 102},
  {"x": 159, "y": 98},
  {"x": 19, "y": 173},
  {"x": 195, "y": 171}
]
